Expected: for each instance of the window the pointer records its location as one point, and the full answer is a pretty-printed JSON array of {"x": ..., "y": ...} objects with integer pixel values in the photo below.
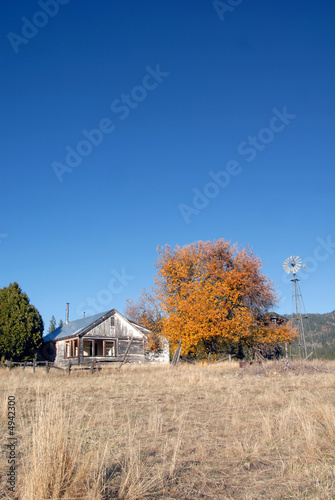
[
  {"x": 99, "y": 348},
  {"x": 110, "y": 347},
  {"x": 71, "y": 348},
  {"x": 87, "y": 348}
]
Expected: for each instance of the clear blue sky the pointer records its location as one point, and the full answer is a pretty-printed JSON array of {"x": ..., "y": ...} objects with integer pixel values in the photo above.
[{"x": 213, "y": 124}]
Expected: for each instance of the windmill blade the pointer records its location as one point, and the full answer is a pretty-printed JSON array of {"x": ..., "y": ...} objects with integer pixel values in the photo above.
[{"x": 292, "y": 264}]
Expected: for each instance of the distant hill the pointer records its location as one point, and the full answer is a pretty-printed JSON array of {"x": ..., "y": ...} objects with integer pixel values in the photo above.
[{"x": 320, "y": 334}]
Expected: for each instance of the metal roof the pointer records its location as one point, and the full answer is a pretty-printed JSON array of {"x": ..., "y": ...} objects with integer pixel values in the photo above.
[{"x": 73, "y": 327}]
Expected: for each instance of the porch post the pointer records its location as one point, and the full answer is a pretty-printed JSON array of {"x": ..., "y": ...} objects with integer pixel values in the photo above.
[
  {"x": 104, "y": 347},
  {"x": 79, "y": 343}
]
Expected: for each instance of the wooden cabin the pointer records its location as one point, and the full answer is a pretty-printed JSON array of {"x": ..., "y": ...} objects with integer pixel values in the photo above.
[{"x": 101, "y": 337}]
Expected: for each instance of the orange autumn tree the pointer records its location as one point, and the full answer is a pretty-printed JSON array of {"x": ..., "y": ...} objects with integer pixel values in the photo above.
[
  {"x": 147, "y": 312},
  {"x": 214, "y": 294}
]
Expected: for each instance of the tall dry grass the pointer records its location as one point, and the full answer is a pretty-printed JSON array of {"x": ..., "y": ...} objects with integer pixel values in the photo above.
[{"x": 186, "y": 433}]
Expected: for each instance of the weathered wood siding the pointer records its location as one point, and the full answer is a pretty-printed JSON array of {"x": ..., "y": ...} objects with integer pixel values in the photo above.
[
  {"x": 136, "y": 347},
  {"x": 104, "y": 330},
  {"x": 115, "y": 328},
  {"x": 125, "y": 329},
  {"x": 60, "y": 352}
]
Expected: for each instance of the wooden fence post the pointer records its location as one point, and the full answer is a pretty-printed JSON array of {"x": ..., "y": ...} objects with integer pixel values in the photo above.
[
  {"x": 92, "y": 368},
  {"x": 126, "y": 353},
  {"x": 9, "y": 365},
  {"x": 47, "y": 367},
  {"x": 34, "y": 365},
  {"x": 176, "y": 355},
  {"x": 69, "y": 368}
]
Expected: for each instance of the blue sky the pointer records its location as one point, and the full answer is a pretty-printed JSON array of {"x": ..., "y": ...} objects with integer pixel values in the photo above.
[{"x": 129, "y": 125}]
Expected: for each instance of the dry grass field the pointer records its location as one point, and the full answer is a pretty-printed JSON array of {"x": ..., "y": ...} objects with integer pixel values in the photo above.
[{"x": 195, "y": 431}]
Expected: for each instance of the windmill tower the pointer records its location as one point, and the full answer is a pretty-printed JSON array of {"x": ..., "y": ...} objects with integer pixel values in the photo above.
[{"x": 292, "y": 265}]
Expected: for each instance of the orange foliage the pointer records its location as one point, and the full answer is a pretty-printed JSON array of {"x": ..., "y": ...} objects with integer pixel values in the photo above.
[{"x": 214, "y": 290}]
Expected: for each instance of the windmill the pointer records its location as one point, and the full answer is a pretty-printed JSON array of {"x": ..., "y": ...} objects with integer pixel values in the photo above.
[{"x": 292, "y": 265}]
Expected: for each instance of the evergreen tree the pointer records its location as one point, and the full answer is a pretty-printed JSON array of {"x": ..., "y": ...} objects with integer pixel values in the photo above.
[
  {"x": 21, "y": 325},
  {"x": 60, "y": 322},
  {"x": 52, "y": 325}
]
